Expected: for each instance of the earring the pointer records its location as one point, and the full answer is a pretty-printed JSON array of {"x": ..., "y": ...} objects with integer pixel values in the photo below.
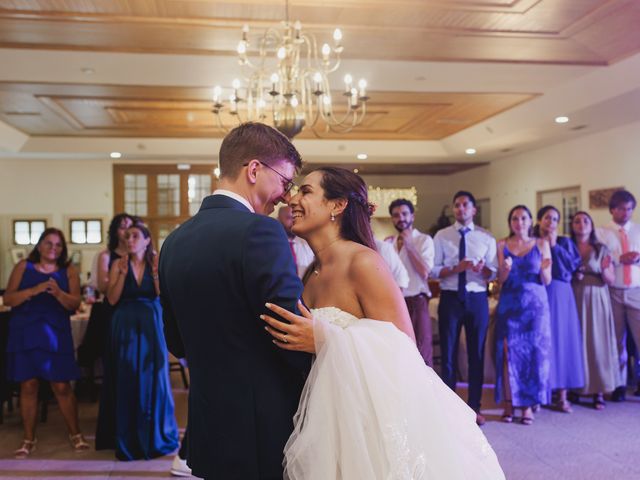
[{"x": 333, "y": 217}]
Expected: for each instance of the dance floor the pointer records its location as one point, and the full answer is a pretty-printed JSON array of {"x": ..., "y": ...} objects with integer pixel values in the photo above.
[{"x": 583, "y": 445}]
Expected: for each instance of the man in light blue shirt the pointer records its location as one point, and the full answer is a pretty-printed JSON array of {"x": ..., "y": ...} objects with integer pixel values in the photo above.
[{"x": 465, "y": 260}]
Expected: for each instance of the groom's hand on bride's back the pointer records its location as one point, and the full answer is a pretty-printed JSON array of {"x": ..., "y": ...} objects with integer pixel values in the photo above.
[{"x": 297, "y": 335}]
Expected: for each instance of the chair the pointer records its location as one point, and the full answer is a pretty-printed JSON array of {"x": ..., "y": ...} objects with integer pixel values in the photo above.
[{"x": 178, "y": 365}]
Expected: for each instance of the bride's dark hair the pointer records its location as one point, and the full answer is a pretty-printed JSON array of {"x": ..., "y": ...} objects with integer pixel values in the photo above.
[{"x": 355, "y": 224}]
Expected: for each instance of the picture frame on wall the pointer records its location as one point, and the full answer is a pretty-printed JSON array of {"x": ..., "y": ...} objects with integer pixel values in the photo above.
[
  {"x": 600, "y": 198},
  {"x": 18, "y": 254}
]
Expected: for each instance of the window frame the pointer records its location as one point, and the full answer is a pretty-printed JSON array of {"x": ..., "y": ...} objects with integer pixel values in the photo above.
[
  {"x": 85, "y": 220},
  {"x": 29, "y": 221}
]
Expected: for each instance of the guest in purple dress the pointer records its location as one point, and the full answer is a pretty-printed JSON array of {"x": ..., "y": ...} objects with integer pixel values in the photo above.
[
  {"x": 567, "y": 360},
  {"x": 42, "y": 292},
  {"x": 522, "y": 319}
]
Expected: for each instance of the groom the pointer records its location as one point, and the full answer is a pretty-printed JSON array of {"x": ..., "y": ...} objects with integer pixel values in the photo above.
[{"x": 217, "y": 270}]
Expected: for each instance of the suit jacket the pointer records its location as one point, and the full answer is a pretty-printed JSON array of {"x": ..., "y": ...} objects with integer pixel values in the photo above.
[{"x": 217, "y": 270}]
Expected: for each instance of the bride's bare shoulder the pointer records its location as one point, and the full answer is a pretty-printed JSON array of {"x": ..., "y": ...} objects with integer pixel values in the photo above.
[{"x": 364, "y": 261}]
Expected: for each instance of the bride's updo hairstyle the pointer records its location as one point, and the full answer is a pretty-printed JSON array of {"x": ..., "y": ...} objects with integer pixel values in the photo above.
[{"x": 355, "y": 224}]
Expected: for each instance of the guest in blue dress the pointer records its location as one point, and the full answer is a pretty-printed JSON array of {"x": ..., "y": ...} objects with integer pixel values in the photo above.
[
  {"x": 567, "y": 359},
  {"x": 522, "y": 319},
  {"x": 145, "y": 425},
  {"x": 97, "y": 343},
  {"x": 42, "y": 292}
]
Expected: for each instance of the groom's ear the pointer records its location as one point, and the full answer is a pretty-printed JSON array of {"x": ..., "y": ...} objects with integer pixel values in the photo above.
[
  {"x": 339, "y": 206},
  {"x": 252, "y": 171}
]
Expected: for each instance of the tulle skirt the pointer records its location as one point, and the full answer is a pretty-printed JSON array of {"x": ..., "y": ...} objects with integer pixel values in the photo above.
[{"x": 371, "y": 409}]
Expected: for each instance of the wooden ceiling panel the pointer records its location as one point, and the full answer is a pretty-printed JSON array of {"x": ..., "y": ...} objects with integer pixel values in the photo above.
[
  {"x": 90, "y": 110},
  {"x": 589, "y": 32}
]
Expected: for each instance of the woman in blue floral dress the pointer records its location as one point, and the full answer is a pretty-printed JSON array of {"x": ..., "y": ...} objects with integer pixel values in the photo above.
[{"x": 522, "y": 321}]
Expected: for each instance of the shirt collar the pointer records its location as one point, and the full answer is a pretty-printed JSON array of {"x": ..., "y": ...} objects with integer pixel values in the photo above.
[
  {"x": 626, "y": 226},
  {"x": 235, "y": 196},
  {"x": 458, "y": 226}
]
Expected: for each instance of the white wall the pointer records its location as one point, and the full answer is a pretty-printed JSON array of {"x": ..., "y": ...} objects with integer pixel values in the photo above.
[
  {"x": 57, "y": 191},
  {"x": 602, "y": 160}
]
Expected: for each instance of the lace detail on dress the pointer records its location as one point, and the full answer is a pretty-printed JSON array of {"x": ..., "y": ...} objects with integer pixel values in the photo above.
[
  {"x": 405, "y": 464},
  {"x": 334, "y": 315}
]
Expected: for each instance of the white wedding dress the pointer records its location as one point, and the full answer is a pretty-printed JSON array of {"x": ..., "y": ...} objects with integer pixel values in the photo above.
[{"x": 371, "y": 409}]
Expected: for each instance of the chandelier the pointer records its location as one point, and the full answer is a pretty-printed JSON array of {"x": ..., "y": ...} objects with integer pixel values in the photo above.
[{"x": 287, "y": 83}]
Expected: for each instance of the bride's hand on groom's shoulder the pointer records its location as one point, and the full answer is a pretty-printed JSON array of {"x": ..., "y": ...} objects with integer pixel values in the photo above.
[{"x": 296, "y": 335}]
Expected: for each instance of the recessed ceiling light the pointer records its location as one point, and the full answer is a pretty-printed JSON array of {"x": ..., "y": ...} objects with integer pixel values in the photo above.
[
  {"x": 355, "y": 170},
  {"x": 470, "y": 151},
  {"x": 115, "y": 155},
  {"x": 184, "y": 166},
  {"x": 88, "y": 71},
  {"x": 362, "y": 156},
  {"x": 562, "y": 119}
]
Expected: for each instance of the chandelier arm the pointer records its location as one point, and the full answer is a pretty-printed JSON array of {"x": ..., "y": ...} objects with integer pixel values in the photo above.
[{"x": 220, "y": 124}]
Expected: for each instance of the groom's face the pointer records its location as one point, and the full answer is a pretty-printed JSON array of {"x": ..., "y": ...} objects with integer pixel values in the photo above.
[{"x": 272, "y": 184}]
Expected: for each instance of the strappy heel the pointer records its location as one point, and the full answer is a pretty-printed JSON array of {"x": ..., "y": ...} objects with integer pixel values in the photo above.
[
  {"x": 78, "y": 442},
  {"x": 26, "y": 449}
]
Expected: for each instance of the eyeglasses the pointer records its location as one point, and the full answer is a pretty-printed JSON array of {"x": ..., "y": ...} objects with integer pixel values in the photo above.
[{"x": 288, "y": 185}]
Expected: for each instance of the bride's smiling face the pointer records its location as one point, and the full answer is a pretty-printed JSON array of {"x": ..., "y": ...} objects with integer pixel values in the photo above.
[{"x": 309, "y": 207}]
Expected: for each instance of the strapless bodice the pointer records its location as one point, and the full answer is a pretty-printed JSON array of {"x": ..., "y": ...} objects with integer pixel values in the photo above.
[{"x": 334, "y": 315}]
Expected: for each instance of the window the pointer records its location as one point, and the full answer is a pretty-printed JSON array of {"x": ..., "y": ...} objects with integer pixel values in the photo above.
[
  {"x": 161, "y": 194},
  {"x": 199, "y": 187},
  {"x": 27, "y": 232},
  {"x": 566, "y": 200},
  {"x": 85, "y": 231},
  {"x": 135, "y": 194},
  {"x": 168, "y": 195}
]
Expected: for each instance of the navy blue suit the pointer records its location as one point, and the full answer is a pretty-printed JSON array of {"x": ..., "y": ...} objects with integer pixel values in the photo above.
[{"x": 217, "y": 270}]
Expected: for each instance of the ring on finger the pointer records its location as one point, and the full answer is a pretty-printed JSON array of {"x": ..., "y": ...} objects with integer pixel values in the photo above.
[{"x": 284, "y": 338}]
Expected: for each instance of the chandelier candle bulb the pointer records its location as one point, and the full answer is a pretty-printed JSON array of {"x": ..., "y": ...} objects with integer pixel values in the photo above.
[
  {"x": 217, "y": 92},
  {"x": 362, "y": 85},
  {"x": 337, "y": 36},
  {"x": 326, "y": 51},
  {"x": 354, "y": 98},
  {"x": 348, "y": 79}
]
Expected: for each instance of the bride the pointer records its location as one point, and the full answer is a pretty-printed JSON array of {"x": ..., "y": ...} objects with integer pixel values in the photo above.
[{"x": 370, "y": 409}]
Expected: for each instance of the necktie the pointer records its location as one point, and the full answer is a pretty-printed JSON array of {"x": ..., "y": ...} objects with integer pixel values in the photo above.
[
  {"x": 626, "y": 269},
  {"x": 462, "y": 253}
]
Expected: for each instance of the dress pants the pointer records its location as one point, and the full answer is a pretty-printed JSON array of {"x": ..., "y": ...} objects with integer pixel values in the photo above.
[
  {"x": 625, "y": 303},
  {"x": 473, "y": 313},
  {"x": 418, "y": 307}
]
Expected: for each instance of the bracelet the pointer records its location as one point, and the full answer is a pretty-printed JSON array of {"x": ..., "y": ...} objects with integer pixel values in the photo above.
[{"x": 155, "y": 277}]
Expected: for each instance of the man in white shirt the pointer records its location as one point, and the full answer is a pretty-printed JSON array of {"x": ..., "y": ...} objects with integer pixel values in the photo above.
[
  {"x": 465, "y": 259},
  {"x": 416, "y": 252},
  {"x": 622, "y": 237},
  {"x": 300, "y": 249},
  {"x": 392, "y": 259}
]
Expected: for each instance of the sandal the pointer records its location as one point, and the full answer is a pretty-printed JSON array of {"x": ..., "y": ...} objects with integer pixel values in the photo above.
[
  {"x": 598, "y": 402},
  {"x": 564, "y": 406},
  {"x": 78, "y": 442},
  {"x": 507, "y": 418},
  {"x": 527, "y": 419},
  {"x": 26, "y": 449},
  {"x": 507, "y": 415}
]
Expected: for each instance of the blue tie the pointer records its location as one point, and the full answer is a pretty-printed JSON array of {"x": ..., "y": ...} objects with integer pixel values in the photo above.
[{"x": 462, "y": 276}]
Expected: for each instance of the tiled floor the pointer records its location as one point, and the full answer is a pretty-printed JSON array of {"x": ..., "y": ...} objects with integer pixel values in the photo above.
[{"x": 580, "y": 446}]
